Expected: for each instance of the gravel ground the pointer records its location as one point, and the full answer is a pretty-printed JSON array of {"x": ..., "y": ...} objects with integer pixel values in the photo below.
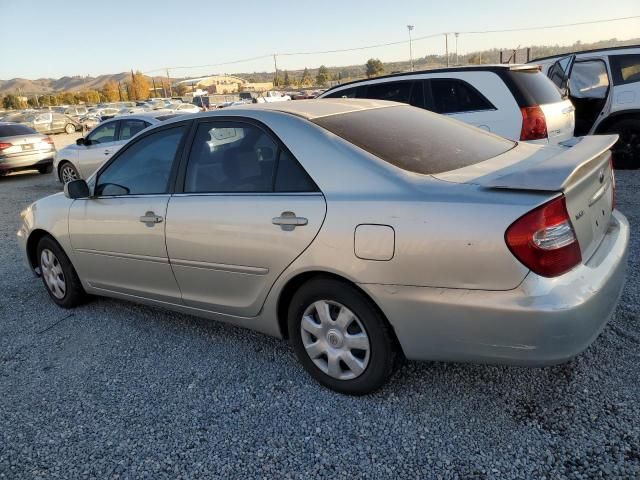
[{"x": 116, "y": 390}]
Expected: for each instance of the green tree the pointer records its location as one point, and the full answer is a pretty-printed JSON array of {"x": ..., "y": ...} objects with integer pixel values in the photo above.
[
  {"x": 306, "y": 80},
  {"x": 110, "y": 91},
  {"x": 374, "y": 67},
  {"x": 323, "y": 76},
  {"x": 33, "y": 101},
  {"x": 287, "y": 80},
  {"x": 180, "y": 89}
]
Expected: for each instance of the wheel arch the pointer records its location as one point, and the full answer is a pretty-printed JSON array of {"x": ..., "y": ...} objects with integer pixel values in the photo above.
[
  {"x": 615, "y": 117},
  {"x": 61, "y": 164},
  {"x": 294, "y": 284},
  {"x": 32, "y": 246}
]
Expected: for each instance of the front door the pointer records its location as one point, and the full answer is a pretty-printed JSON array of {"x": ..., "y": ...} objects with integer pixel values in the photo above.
[
  {"x": 118, "y": 235},
  {"x": 247, "y": 211},
  {"x": 99, "y": 148}
]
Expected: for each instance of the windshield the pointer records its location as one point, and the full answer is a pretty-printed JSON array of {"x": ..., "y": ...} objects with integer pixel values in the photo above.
[{"x": 416, "y": 140}]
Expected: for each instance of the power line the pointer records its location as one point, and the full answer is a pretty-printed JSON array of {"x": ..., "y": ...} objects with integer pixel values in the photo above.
[{"x": 400, "y": 42}]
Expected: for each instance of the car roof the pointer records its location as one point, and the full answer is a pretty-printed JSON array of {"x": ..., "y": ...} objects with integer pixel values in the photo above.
[
  {"x": 593, "y": 50},
  {"x": 461, "y": 68},
  {"x": 310, "y": 109}
]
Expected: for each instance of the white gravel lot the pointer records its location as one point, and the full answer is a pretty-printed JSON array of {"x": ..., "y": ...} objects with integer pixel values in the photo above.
[{"x": 117, "y": 390}]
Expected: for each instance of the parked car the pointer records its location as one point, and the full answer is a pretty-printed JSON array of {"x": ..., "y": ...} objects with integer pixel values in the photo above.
[
  {"x": 515, "y": 101},
  {"x": 22, "y": 148},
  {"x": 46, "y": 122},
  {"x": 81, "y": 159},
  {"x": 185, "y": 108},
  {"x": 361, "y": 230},
  {"x": 604, "y": 87}
]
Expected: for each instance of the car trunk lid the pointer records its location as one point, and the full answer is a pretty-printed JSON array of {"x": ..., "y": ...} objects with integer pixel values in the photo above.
[
  {"x": 583, "y": 174},
  {"x": 24, "y": 144}
]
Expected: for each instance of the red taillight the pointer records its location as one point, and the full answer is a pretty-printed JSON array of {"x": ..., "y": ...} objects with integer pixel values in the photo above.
[
  {"x": 544, "y": 239},
  {"x": 534, "y": 124},
  {"x": 5, "y": 145}
]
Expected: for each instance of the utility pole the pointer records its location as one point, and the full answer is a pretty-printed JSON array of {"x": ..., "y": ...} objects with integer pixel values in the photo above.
[
  {"x": 410, "y": 27},
  {"x": 275, "y": 75},
  {"x": 169, "y": 79},
  {"x": 456, "y": 34},
  {"x": 446, "y": 46}
]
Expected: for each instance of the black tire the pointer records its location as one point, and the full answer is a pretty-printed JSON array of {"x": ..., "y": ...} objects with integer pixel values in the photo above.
[
  {"x": 70, "y": 128},
  {"x": 626, "y": 152},
  {"x": 383, "y": 355},
  {"x": 45, "y": 169},
  {"x": 66, "y": 165},
  {"x": 74, "y": 293}
]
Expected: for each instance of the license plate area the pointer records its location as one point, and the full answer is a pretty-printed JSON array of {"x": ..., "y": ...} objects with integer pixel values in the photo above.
[{"x": 27, "y": 147}]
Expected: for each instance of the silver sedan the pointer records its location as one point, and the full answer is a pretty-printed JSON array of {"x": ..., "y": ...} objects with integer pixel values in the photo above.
[{"x": 362, "y": 231}]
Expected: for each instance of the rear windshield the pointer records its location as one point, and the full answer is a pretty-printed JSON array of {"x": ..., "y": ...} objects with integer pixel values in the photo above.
[
  {"x": 11, "y": 130},
  {"x": 534, "y": 88},
  {"x": 414, "y": 139}
]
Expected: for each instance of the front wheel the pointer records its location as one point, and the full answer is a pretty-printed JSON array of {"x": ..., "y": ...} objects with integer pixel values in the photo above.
[
  {"x": 340, "y": 337},
  {"x": 58, "y": 275},
  {"x": 68, "y": 173},
  {"x": 626, "y": 151},
  {"x": 70, "y": 128}
]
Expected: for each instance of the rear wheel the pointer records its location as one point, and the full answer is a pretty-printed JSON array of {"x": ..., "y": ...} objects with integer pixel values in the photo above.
[
  {"x": 340, "y": 338},
  {"x": 70, "y": 128},
  {"x": 45, "y": 169},
  {"x": 68, "y": 173},
  {"x": 626, "y": 152},
  {"x": 58, "y": 275}
]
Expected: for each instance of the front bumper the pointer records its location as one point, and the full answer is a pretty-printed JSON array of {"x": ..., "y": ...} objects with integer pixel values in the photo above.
[
  {"x": 543, "y": 321},
  {"x": 26, "y": 161}
]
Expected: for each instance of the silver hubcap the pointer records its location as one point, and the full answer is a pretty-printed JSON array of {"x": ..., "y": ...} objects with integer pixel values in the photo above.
[
  {"x": 68, "y": 174},
  {"x": 335, "y": 339},
  {"x": 52, "y": 273}
]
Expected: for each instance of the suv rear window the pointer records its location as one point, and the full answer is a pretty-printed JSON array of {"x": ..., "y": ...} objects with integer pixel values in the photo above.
[
  {"x": 625, "y": 68},
  {"x": 11, "y": 130},
  {"x": 533, "y": 88},
  {"x": 414, "y": 139}
]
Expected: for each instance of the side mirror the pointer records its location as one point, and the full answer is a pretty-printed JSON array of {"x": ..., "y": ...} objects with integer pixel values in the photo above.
[
  {"x": 76, "y": 189},
  {"x": 81, "y": 141}
]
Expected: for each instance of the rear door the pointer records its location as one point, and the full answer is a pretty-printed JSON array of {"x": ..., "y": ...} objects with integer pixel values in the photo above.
[
  {"x": 589, "y": 86},
  {"x": 625, "y": 71},
  {"x": 246, "y": 211}
]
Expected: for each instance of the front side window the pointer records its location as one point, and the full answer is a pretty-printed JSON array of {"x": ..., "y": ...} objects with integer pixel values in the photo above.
[
  {"x": 144, "y": 168},
  {"x": 451, "y": 95},
  {"x": 625, "y": 68},
  {"x": 103, "y": 133},
  {"x": 589, "y": 79},
  {"x": 130, "y": 128}
]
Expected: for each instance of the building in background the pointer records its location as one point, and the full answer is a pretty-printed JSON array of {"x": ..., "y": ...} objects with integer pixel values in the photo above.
[{"x": 224, "y": 84}]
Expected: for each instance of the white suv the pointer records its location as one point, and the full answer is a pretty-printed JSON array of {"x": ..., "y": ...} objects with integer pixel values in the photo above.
[
  {"x": 604, "y": 87},
  {"x": 515, "y": 101}
]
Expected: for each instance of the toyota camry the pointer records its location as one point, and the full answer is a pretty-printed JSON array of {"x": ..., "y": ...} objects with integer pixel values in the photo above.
[{"x": 362, "y": 231}]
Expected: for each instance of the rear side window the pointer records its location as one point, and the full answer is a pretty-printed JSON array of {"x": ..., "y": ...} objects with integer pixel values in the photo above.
[
  {"x": 353, "y": 92},
  {"x": 625, "y": 68},
  {"x": 393, "y": 91},
  {"x": 451, "y": 95},
  {"x": 11, "y": 130},
  {"x": 533, "y": 87},
  {"x": 291, "y": 177},
  {"x": 130, "y": 128},
  {"x": 416, "y": 140}
]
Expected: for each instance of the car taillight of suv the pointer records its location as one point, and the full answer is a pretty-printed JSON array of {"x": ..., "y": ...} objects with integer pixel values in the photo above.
[{"x": 534, "y": 124}]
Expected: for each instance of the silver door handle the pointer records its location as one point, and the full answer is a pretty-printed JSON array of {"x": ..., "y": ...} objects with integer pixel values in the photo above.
[
  {"x": 151, "y": 218},
  {"x": 288, "y": 221}
]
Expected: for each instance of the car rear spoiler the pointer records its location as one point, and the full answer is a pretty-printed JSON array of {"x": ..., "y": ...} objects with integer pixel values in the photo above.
[{"x": 556, "y": 173}]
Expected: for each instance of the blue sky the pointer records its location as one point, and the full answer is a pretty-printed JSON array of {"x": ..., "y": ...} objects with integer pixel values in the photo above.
[{"x": 53, "y": 38}]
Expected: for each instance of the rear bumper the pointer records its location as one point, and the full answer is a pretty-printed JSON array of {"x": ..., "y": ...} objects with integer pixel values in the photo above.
[
  {"x": 20, "y": 162},
  {"x": 543, "y": 321}
]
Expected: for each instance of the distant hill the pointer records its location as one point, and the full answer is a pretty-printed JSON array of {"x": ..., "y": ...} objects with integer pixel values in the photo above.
[
  {"x": 64, "y": 84},
  {"x": 338, "y": 74}
]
